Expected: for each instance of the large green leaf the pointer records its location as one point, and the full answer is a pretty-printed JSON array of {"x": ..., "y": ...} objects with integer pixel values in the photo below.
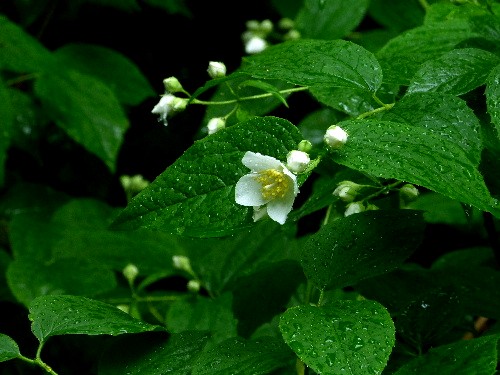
[
  {"x": 345, "y": 337},
  {"x": 493, "y": 97},
  {"x": 336, "y": 63},
  {"x": 87, "y": 110},
  {"x": 195, "y": 195},
  {"x": 29, "y": 279},
  {"x": 116, "y": 70},
  {"x": 8, "y": 348},
  {"x": 398, "y": 15},
  {"x": 69, "y": 315},
  {"x": 402, "y": 56},
  {"x": 359, "y": 246},
  {"x": 241, "y": 357},
  {"x": 456, "y": 72},
  {"x": 330, "y": 19},
  {"x": 417, "y": 155},
  {"x": 20, "y": 52},
  {"x": 152, "y": 354},
  {"x": 465, "y": 357},
  {"x": 7, "y": 116}
]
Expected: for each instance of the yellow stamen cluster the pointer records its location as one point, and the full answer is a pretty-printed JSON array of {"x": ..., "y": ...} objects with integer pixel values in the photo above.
[{"x": 274, "y": 183}]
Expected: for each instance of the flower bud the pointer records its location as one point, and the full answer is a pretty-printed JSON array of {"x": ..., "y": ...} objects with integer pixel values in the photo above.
[
  {"x": 253, "y": 25},
  {"x": 297, "y": 161},
  {"x": 286, "y": 23},
  {"x": 215, "y": 124},
  {"x": 216, "y": 69},
  {"x": 183, "y": 263},
  {"x": 194, "y": 286},
  {"x": 354, "y": 208},
  {"x": 335, "y": 137},
  {"x": 172, "y": 85},
  {"x": 347, "y": 191},
  {"x": 255, "y": 44},
  {"x": 130, "y": 272},
  {"x": 137, "y": 183},
  {"x": 408, "y": 192},
  {"x": 305, "y": 145},
  {"x": 266, "y": 26},
  {"x": 292, "y": 35}
]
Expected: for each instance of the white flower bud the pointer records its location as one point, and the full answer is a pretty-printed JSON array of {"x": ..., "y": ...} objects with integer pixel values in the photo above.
[
  {"x": 297, "y": 161},
  {"x": 354, "y": 208},
  {"x": 286, "y": 23},
  {"x": 266, "y": 26},
  {"x": 215, "y": 124},
  {"x": 305, "y": 145},
  {"x": 216, "y": 69},
  {"x": 408, "y": 192},
  {"x": 172, "y": 85},
  {"x": 183, "y": 263},
  {"x": 292, "y": 35},
  {"x": 255, "y": 45},
  {"x": 347, "y": 191},
  {"x": 194, "y": 286},
  {"x": 130, "y": 272},
  {"x": 335, "y": 137},
  {"x": 253, "y": 25}
]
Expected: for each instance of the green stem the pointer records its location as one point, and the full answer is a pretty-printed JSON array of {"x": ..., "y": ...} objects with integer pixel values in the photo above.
[
  {"x": 38, "y": 360},
  {"x": 382, "y": 190},
  {"x": 300, "y": 366},
  {"x": 118, "y": 301},
  {"x": 21, "y": 79},
  {"x": 384, "y": 107},
  {"x": 321, "y": 297},
  {"x": 260, "y": 96}
]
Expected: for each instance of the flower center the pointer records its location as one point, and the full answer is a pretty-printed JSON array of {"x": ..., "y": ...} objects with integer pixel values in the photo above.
[{"x": 274, "y": 183}]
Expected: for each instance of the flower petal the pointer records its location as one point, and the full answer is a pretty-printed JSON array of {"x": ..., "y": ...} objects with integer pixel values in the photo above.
[
  {"x": 248, "y": 191},
  {"x": 278, "y": 209},
  {"x": 258, "y": 162}
]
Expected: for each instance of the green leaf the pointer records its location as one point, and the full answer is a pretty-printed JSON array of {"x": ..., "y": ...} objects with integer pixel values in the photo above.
[
  {"x": 7, "y": 116},
  {"x": 336, "y": 63},
  {"x": 456, "y": 72},
  {"x": 330, "y": 19},
  {"x": 397, "y": 15},
  {"x": 87, "y": 110},
  {"x": 412, "y": 154},
  {"x": 213, "y": 315},
  {"x": 314, "y": 125},
  {"x": 402, "y": 56},
  {"x": 360, "y": 246},
  {"x": 29, "y": 279},
  {"x": 153, "y": 354},
  {"x": 8, "y": 348},
  {"x": 242, "y": 357},
  {"x": 477, "y": 356},
  {"x": 69, "y": 315},
  {"x": 112, "y": 68},
  {"x": 493, "y": 97},
  {"x": 20, "y": 52},
  {"x": 345, "y": 337},
  {"x": 195, "y": 195}
]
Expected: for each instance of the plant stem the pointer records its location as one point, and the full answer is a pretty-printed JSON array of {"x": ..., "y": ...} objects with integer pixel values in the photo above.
[
  {"x": 38, "y": 360},
  {"x": 260, "y": 96}
]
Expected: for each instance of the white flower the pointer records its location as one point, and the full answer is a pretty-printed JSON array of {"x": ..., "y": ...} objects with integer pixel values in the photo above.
[
  {"x": 167, "y": 105},
  {"x": 297, "y": 161},
  {"x": 354, "y": 208},
  {"x": 255, "y": 44},
  {"x": 216, "y": 69},
  {"x": 269, "y": 183},
  {"x": 215, "y": 124},
  {"x": 335, "y": 137}
]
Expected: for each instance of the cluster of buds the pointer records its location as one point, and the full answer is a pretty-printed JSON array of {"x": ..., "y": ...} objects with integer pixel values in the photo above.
[
  {"x": 347, "y": 191},
  {"x": 257, "y": 35},
  {"x": 133, "y": 184},
  {"x": 183, "y": 263}
]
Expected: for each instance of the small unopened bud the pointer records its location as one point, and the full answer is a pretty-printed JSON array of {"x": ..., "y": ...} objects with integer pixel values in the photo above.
[
  {"x": 255, "y": 44},
  {"x": 354, "y": 208},
  {"x": 130, "y": 272},
  {"x": 335, "y": 137},
  {"x": 305, "y": 145},
  {"x": 194, "y": 286},
  {"x": 216, "y": 69},
  {"x": 347, "y": 191},
  {"x": 286, "y": 23},
  {"x": 266, "y": 26},
  {"x": 253, "y": 25},
  {"x": 215, "y": 124},
  {"x": 172, "y": 85},
  {"x": 297, "y": 161},
  {"x": 292, "y": 35},
  {"x": 183, "y": 263},
  {"x": 408, "y": 192}
]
